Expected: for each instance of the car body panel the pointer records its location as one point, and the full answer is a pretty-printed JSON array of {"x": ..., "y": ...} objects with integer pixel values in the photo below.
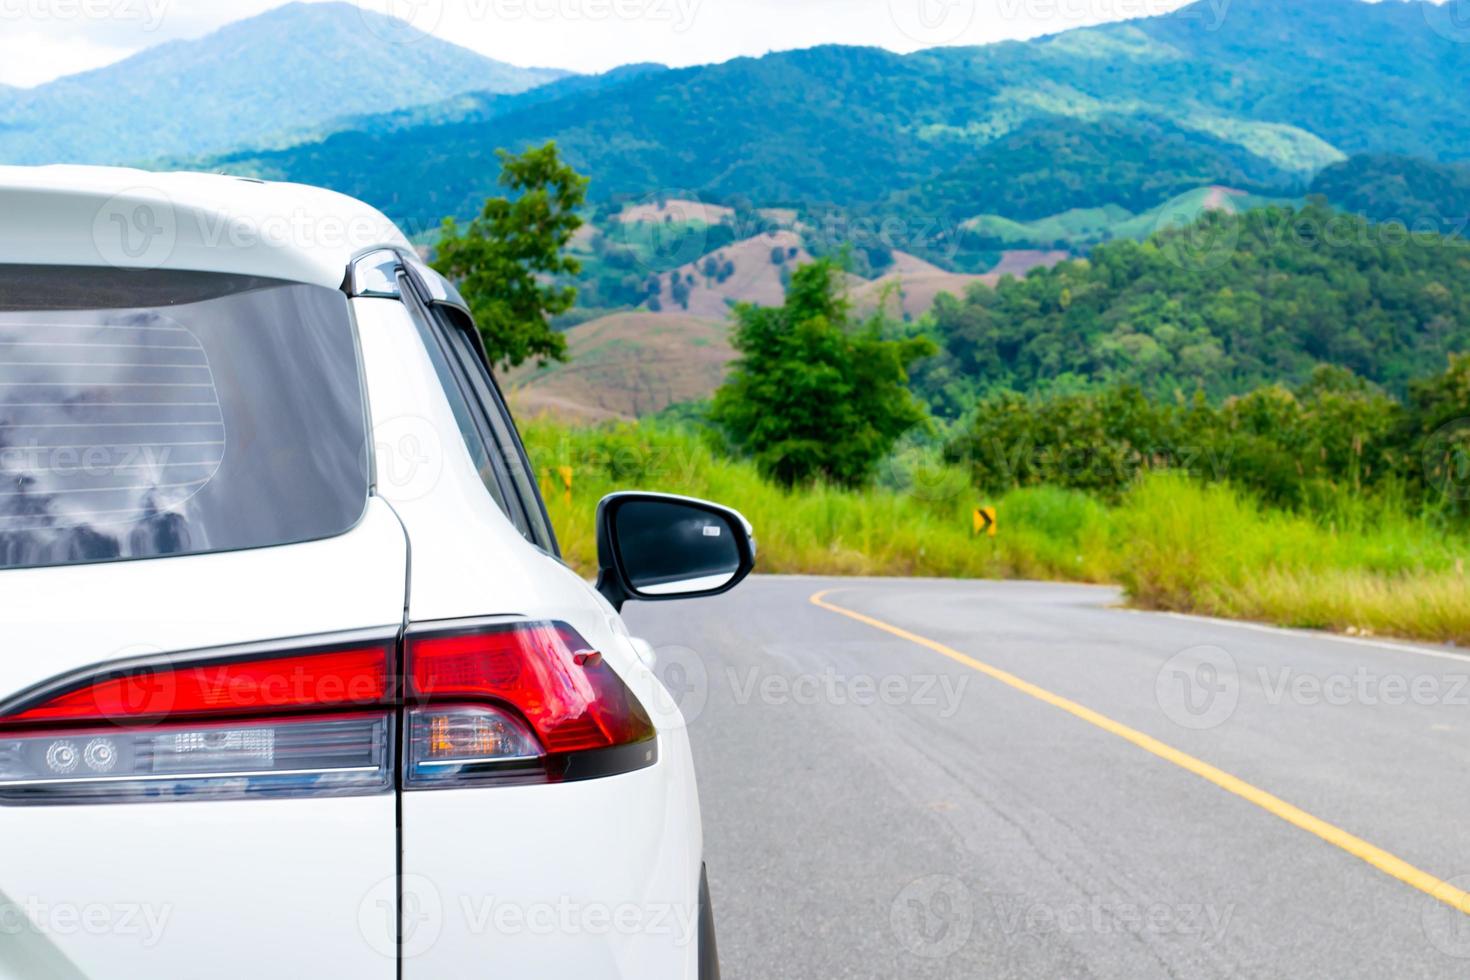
[
  {"x": 113, "y": 216},
  {"x": 170, "y": 887},
  {"x": 62, "y": 619},
  {"x": 558, "y": 882},
  {"x": 209, "y": 891},
  {"x": 629, "y": 844}
]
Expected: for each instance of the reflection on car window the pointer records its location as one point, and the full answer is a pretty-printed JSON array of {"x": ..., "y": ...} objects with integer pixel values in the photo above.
[{"x": 234, "y": 420}]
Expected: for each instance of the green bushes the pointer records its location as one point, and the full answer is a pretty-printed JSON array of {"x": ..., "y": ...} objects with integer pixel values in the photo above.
[
  {"x": 1172, "y": 542},
  {"x": 1335, "y": 438}
]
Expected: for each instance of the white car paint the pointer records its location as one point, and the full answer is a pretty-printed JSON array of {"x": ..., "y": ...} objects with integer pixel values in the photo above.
[
  {"x": 291, "y": 872},
  {"x": 110, "y": 216},
  {"x": 630, "y": 843},
  {"x": 582, "y": 880}
]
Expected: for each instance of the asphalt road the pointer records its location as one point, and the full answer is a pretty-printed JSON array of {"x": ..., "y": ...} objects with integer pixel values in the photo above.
[{"x": 875, "y": 807}]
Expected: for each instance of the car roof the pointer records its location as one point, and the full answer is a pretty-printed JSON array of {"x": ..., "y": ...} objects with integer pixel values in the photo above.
[{"x": 137, "y": 219}]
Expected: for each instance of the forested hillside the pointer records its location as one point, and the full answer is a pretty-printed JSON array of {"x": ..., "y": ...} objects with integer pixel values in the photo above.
[
  {"x": 1419, "y": 194},
  {"x": 1048, "y": 166},
  {"x": 1222, "y": 307}
]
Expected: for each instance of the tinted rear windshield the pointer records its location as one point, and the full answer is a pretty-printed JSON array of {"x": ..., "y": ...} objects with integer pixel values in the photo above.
[{"x": 149, "y": 414}]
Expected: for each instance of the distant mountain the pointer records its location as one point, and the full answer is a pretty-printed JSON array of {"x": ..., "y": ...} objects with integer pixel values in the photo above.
[
  {"x": 1419, "y": 194},
  {"x": 472, "y": 107},
  {"x": 1047, "y": 166},
  {"x": 292, "y": 70},
  {"x": 1256, "y": 94},
  {"x": 1363, "y": 76}
]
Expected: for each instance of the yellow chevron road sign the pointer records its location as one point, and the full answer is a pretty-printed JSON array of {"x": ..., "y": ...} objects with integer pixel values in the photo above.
[{"x": 985, "y": 521}]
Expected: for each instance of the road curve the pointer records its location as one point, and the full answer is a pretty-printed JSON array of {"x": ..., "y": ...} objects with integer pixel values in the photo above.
[{"x": 924, "y": 778}]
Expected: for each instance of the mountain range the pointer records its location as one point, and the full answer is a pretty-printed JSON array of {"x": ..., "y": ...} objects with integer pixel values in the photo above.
[
  {"x": 939, "y": 169},
  {"x": 1263, "y": 95},
  {"x": 1256, "y": 95},
  {"x": 283, "y": 75}
]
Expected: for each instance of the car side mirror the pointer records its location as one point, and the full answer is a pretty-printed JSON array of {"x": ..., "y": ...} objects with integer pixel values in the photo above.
[{"x": 657, "y": 547}]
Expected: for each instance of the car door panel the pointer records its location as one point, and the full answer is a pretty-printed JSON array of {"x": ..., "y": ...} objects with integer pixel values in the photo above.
[
  {"x": 221, "y": 888},
  {"x": 591, "y": 879}
]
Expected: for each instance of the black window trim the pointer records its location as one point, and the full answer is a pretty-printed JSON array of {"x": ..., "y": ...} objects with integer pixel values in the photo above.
[
  {"x": 470, "y": 379},
  {"x": 509, "y": 501},
  {"x": 470, "y": 350}
]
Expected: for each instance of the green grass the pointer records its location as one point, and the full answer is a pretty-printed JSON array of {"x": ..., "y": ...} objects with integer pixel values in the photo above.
[
  {"x": 1084, "y": 227},
  {"x": 1171, "y": 543},
  {"x": 1184, "y": 210},
  {"x": 1376, "y": 571},
  {"x": 1077, "y": 225},
  {"x": 1289, "y": 147}
]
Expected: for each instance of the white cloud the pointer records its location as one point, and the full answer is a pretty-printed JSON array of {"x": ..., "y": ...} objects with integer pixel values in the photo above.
[{"x": 42, "y": 39}]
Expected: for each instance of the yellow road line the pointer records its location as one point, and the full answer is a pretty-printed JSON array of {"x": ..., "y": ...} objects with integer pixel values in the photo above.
[{"x": 1442, "y": 891}]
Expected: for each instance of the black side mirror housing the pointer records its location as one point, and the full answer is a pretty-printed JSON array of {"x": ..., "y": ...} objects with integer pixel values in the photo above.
[{"x": 657, "y": 547}]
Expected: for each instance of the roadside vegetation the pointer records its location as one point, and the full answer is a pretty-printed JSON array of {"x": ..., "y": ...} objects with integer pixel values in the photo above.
[
  {"x": 1225, "y": 419},
  {"x": 1332, "y": 503},
  {"x": 1171, "y": 541},
  {"x": 506, "y": 260}
]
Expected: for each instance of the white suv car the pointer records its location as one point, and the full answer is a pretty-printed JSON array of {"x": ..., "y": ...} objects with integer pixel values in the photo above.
[{"x": 293, "y": 682}]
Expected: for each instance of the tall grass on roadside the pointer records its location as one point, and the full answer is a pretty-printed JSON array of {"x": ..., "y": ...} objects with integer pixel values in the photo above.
[
  {"x": 1206, "y": 549},
  {"x": 1171, "y": 542},
  {"x": 924, "y": 529}
]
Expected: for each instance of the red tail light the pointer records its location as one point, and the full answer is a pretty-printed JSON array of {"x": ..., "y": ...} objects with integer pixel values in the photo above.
[
  {"x": 212, "y": 729},
  {"x": 508, "y": 702},
  {"x": 357, "y": 676},
  {"x": 532, "y": 684}
]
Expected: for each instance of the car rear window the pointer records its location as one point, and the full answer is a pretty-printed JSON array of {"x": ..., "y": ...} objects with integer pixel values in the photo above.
[{"x": 149, "y": 414}]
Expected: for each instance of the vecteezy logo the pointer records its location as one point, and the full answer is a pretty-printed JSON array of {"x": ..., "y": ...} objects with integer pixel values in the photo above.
[
  {"x": 1198, "y": 240},
  {"x": 401, "y": 21},
  {"x": 933, "y": 917},
  {"x": 407, "y": 930},
  {"x": 145, "y": 223},
  {"x": 1450, "y": 19},
  {"x": 931, "y": 482},
  {"x": 148, "y": 692},
  {"x": 1198, "y": 688},
  {"x": 933, "y": 21},
  {"x": 1211, "y": 14},
  {"x": 683, "y": 690},
  {"x": 137, "y": 229},
  {"x": 410, "y": 457}
]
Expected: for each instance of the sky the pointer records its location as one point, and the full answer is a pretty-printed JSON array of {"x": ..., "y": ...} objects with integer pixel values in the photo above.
[{"x": 43, "y": 39}]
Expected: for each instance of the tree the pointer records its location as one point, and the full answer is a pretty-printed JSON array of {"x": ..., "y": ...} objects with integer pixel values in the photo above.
[
  {"x": 1440, "y": 432},
  {"x": 1231, "y": 304},
  {"x": 814, "y": 394},
  {"x": 508, "y": 260}
]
